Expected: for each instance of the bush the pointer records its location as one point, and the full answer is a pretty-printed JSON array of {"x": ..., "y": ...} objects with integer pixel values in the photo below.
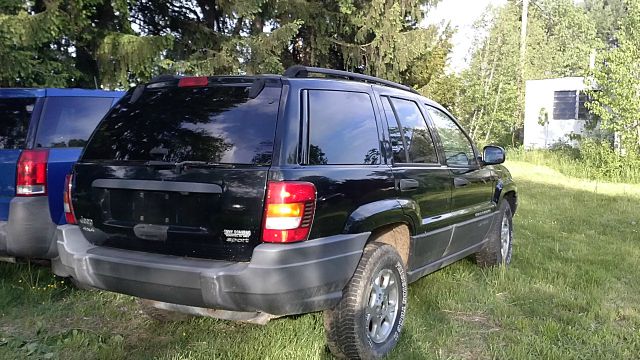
[{"x": 594, "y": 160}]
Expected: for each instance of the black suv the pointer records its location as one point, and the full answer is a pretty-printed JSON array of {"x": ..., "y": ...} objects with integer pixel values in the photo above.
[{"x": 263, "y": 196}]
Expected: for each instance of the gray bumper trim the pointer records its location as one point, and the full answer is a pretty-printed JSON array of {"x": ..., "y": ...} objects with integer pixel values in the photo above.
[
  {"x": 29, "y": 232},
  {"x": 3, "y": 237},
  {"x": 281, "y": 279}
]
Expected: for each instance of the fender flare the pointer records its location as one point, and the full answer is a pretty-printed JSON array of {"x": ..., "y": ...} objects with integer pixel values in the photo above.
[
  {"x": 503, "y": 188},
  {"x": 377, "y": 214}
]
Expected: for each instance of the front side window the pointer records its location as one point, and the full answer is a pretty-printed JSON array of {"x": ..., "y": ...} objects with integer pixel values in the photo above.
[
  {"x": 457, "y": 147},
  {"x": 410, "y": 137},
  {"x": 342, "y": 129},
  {"x": 69, "y": 121},
  {"x": 15, "y": 114}
]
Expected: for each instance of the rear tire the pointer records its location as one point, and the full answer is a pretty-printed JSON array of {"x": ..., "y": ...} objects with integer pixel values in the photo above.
[
  {"x": 499, "y": 246},
  {"x": 367, "y": 322}
]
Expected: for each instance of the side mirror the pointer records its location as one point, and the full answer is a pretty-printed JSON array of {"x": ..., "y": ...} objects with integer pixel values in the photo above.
[{"x": 493, "y": 155}]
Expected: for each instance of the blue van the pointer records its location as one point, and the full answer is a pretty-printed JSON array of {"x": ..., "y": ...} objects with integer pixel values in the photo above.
[{"x": 42, "y": 133}]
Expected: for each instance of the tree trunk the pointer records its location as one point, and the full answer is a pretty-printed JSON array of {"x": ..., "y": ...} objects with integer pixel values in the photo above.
[{"x": 493, "y": 115}]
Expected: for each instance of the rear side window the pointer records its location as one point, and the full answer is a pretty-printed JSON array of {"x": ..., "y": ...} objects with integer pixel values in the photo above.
[
  {"x": 410, "y": 137},
  {"x": 15, "y": 114},
  {"x": 69, "y": 121},
  {"x": 217, "y": 124},
  {"x": 342, "y": 129}
]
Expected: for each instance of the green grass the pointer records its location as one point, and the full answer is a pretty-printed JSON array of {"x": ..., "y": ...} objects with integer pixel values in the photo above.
[
  {"x": 571, "y": 293},
  {"x": 599, "y": 163}
]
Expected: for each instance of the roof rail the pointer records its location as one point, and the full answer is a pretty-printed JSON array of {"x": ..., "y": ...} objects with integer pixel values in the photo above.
[{"x": 298, "y": 71}]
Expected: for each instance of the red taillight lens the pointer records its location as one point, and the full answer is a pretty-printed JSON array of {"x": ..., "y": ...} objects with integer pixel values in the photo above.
[
  {"x": 288, "y": 211},
  {"x": 69, "y": 215},
  {"x": 193, "y": 81},
  {"x": 31, "y": 179}
]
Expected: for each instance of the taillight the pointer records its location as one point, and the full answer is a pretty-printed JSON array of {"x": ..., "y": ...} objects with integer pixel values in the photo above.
[
  {"x": 193, "y": 81},
  {"x": 69, "y": 215},
  {"x": 31, "y": 171},
  {"x": 288, "y": 211}
]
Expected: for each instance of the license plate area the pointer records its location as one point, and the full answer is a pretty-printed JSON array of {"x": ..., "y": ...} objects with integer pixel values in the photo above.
[{"x": 161, "y": 208}]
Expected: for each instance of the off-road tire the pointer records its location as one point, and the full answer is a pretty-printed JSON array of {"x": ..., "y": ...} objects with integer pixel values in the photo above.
[
  {"x": 491, "y": 254},
  {"x": 345, "y": 326}
]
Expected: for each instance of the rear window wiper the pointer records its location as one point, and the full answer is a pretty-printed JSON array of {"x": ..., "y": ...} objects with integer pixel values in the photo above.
[{"x": 182, "y": 164}]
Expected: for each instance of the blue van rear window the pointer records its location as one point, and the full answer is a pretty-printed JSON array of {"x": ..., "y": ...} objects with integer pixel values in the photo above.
[
  {"x": 15, "y": 114},
  {"x": 69, "y": 121}
]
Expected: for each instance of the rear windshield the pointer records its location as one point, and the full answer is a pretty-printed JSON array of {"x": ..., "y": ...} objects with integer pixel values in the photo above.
[
  {"x": 15, "y": 114},
  {"x": 218, "y": 124},
  {"x": 69, "y": 121}
]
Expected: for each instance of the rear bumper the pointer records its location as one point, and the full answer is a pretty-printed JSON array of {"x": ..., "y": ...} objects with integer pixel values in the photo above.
[
  {"x": 29, "y": 231},
  {"x": 3, "y": 237},
  {"x": 281, "y": 279}
]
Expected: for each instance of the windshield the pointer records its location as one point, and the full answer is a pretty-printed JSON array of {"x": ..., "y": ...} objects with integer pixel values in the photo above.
[{"x": 218, "y": 124}]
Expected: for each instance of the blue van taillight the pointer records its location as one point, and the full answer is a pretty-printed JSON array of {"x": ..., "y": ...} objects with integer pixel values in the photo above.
[
  {"x": 69, "y": 215},
  {"x": 31, "y": 179}
]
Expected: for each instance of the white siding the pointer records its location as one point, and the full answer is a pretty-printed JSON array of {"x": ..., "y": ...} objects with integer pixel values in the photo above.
[{"x": 539, "y": 95}]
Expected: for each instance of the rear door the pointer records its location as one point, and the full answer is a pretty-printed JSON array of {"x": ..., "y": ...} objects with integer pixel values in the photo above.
[
  {"x": 419, "y": 177},
  {"x": 473, "y": 185},
  {"x": 15, "y": 115},
  {"x": 180, "y": 170},
  {"x": 65, "y": 124}
]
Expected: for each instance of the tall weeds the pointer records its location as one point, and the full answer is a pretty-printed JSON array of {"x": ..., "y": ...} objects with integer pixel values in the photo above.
[{"x": 594, "y": 160}]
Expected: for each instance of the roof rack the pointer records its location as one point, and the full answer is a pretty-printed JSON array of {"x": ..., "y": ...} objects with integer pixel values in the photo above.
[{"x": 300, "y": 71}]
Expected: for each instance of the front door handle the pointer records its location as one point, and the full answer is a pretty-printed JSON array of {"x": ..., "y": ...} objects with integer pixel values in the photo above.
[
  {"x": 460, "y": 182},
  {"x": 409, "y": 184}
]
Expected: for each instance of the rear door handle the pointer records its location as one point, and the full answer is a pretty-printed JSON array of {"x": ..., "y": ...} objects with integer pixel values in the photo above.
[
  {"x": 409, "y": 184},
  {"x": 460, "y": 182}
]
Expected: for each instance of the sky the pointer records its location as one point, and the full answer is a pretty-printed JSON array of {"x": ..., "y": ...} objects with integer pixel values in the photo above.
[{"x": 462, "y": 14}]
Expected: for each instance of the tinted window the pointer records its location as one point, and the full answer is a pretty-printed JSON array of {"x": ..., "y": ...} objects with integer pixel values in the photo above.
[
  {"x": 457, "y": 148},
  {"x": 416, "y": 135},
  {"x": 15, "y": 114},
  {"x": 564, "y": 105},
  {"x": 69, "y": 121},
  {"x": 397, "y": 145},
  {"x": 342, "y": 128},
  {"x": 219, "y": 124}
]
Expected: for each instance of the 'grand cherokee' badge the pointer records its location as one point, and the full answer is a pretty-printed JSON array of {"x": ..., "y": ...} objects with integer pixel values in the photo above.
[{"x": 237, "y": 236}]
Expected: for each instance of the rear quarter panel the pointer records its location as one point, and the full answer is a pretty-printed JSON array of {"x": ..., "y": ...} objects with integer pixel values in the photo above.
[
  {"x": 8, "y": 160},
  {"x": 340, "y": 191},
  {"x": 60, "y": 163}
]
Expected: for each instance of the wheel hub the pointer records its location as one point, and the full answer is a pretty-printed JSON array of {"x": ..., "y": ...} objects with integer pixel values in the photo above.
[{"x": 382, "y": 308}]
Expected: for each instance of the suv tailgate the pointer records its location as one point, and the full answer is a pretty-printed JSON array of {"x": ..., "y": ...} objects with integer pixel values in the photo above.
[
  {"x": 180, "y": 171},
  {"x": 15, "y": 114}
]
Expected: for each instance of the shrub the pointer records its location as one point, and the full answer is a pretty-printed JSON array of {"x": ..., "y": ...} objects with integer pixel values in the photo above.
[{"x": 595, "y": 160}]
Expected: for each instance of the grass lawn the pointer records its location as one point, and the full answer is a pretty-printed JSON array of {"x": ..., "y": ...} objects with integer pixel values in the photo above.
[{"x": 572, "y": 292}]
